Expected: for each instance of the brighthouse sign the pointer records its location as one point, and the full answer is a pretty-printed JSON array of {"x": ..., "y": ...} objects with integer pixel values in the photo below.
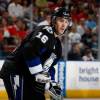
[{"x": 83, "y": 79}]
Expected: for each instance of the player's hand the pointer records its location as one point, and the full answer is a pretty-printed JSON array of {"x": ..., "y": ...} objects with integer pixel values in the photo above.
[{"x": 42, "y": 78}]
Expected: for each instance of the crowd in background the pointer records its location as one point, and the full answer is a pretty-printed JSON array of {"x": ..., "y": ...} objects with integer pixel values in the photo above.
[{"x": 19, "y": 17}]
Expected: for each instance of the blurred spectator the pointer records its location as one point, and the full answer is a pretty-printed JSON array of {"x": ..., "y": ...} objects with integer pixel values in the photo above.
[
  {"x": 4, "y": 22},
  {"x": 86, "y": 37},
  {"x": 94, "y": 45},
  {"x": 67, "y": 2},
  {"x": 90, "y": 22},
  {"x": 75, "y": 52},
  {"x": 16, "y": 32},
  {"x": 82, "y": 13},
  {"x": 5, "y": 14},
  {"x": 80, "y": 26},
  {"x": 3, "y": 5},
  {"x": 27, "y": 8},
  {"x": 21, "y": 29},
  {"x": 15, "y": 9},
  {"x": 73, "y": 36},
  {"x": 47, "y": 17},
  {"x": 78, "y": 12},
  {"x": 88, "y": 56},
  {"x": 7, "y": 22}
]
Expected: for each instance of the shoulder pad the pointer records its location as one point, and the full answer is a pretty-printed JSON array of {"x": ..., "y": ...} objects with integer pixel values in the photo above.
[{"x": 48, "y": 29}]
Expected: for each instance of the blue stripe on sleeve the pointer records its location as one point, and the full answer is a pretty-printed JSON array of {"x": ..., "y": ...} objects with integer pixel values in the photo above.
[{"x": 42, "y": 50}]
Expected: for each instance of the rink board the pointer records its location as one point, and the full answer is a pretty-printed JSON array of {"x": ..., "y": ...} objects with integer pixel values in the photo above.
[
  {"x": 83, "y": 93},
  {"x": 82, "y": 79},
  {"x": 3, "y": 95},
  {"x": 78, "y": 79}
]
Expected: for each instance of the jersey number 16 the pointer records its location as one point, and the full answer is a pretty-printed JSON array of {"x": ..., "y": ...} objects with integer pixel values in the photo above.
[{"x": 43, "y": 38}]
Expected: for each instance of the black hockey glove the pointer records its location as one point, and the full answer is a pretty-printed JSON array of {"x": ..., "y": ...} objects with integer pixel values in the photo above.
[{"x": 55, "y": 91}]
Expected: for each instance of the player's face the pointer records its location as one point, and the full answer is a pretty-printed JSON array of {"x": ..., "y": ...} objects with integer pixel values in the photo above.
[{"x": 60, "y": 25}]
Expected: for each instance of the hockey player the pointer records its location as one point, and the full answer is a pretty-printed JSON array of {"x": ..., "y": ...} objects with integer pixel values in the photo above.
[{"x": 25, "y": 70}]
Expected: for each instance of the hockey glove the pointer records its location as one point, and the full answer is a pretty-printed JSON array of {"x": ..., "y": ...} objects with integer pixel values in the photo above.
[
  {"x": 55, "y": 91},
  {"x": 43, "y": 78}
]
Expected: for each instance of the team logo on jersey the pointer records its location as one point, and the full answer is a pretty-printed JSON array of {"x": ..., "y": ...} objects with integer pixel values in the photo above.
[{"x": 49, "y": 29}]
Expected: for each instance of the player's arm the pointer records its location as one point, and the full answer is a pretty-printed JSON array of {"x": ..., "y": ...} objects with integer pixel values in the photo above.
[
  {"x": 37, "y": 45},
  {"x": 32, "y": 52}
]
